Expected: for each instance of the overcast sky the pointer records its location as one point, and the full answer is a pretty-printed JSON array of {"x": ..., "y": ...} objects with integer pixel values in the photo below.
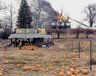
[{"x": 74, "y": 8}]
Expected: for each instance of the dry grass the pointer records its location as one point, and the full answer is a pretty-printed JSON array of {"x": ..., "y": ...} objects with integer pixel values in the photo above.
[{"x": 14, "y": 60}]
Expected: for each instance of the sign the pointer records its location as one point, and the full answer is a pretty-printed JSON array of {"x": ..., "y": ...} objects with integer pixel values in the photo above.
[
  {"x": 25, "y": 31},
  {"x": 41, "y": 31}
]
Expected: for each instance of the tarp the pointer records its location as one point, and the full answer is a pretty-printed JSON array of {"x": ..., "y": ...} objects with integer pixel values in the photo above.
[{"x": 29, "y": 36}]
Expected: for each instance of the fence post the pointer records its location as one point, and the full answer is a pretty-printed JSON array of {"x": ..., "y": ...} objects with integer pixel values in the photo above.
[
  {"x": 79, "y": 48},
  {"x": 72, "y": 45},
  {"x": 90, "y": 58},
  {"x": 67, "y": 49}
]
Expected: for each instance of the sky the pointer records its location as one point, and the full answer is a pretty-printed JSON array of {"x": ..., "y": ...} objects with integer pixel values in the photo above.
[{"x": 72, "y": 8}]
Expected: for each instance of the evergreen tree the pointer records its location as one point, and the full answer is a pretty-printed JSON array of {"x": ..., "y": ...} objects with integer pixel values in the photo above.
[{"x": 24, "y": 17}]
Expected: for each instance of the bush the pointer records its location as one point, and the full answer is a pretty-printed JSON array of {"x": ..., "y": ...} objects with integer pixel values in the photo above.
[
  {"x": 5, "y": 34},
  {"x": 88, "y": 32},
  {"x": 59, "y": 32},
  {"x": 77, "y": 32}
]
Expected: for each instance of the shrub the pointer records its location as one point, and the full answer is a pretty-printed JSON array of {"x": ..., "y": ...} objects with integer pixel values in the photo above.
[
  {"x": 59, "y": 32},
  {"x": 5, "y": 34},
  {"x": 77, "y": 32},
  {"x": 88, "y": 32}
]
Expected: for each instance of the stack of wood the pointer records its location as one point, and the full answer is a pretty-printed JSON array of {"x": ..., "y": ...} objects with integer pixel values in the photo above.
[{"x": 29, "y": 47}]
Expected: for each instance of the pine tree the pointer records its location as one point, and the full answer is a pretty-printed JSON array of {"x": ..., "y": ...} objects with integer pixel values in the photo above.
[{"x": 24, "y": 18}]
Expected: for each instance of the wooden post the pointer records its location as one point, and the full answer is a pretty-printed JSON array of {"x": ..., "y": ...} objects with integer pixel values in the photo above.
[
  {"x": 67, "y": 48},
  {"x": 11, "y": 41},
  {"x": 72, "y": 45},
  {"x": 79, "y": 50},
  {"x": 5, "y": 50},
  {"x": 90, "y": 58}
]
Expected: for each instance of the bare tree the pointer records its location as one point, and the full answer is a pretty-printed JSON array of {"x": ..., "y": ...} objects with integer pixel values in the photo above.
[
  {"x": 42, "y": 13},
  {"x": 11, "y": 17},
  {"x": 77, "y": 31},
  {"x": 89, "y": 32},
  {"x": 90, "y": 12},
  {"x": 38, "y": 13},
  {"x": 8, "y": 18},
  {"x": 58, "y": 32},
  {"x": 2, "y": 6}
]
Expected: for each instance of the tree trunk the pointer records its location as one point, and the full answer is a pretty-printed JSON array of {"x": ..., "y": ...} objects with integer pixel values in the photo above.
[
  {"x": 91, "y": 23},
  {"x": 58, "y": 35},
  {"x": 77, "y": 35},
  {"x": 87, "y": 36}
]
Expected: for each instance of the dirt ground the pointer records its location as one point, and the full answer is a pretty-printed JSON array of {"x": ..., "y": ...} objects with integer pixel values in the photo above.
[{"x": 45, "y": 61}]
